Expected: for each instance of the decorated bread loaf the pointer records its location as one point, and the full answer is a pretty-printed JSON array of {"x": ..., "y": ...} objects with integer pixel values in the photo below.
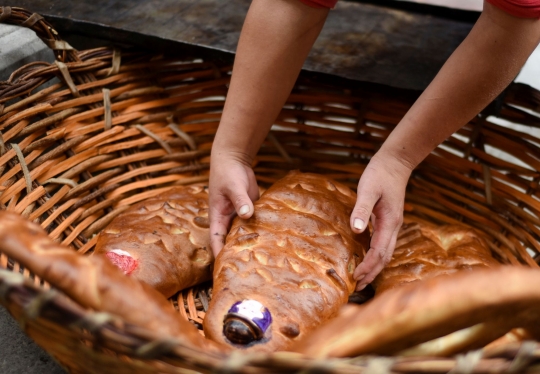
[
  {"x": 426, "y": 251},
  {"x": 93, "y": 282},
  {"x": 163, "y": 241},
  {"x": 288, "y": 268},
  {"x": 505, "y": 296}
]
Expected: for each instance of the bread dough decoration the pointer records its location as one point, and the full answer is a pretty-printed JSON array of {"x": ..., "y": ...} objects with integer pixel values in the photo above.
[
  {"x": 505, "y": 296},
  {"x": 93, "y": 282},
  {"x": 163, "y": 241},
  {"x": 287, "y": 268},
  {"x": 425, "y": 251}
]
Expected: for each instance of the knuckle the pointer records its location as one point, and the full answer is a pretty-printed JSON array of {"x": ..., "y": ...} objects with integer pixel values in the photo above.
[
  {"x": 369, "y": 278},
  {"x": 220, "y": 211},
  {"x": 362, "y": 211},
  {"x": 239, "y": 200},
  {"x": 395, "y": 219}
]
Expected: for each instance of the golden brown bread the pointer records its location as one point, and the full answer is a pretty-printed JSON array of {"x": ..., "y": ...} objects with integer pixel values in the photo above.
[
  {"x": 163, "y": 241},
  {"x": 94, "y": 282},
  {"x": 291, "y": 264},
  {"x": 426, "y": 251},
  {"x": 463, "y": 340},
  {"x": 403, "y": 317},
  {"x": 516, "y": 335}
]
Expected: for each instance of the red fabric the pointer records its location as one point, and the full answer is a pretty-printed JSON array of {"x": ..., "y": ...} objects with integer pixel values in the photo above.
[
  {"x": 320, "y": 3},
  {"x": 125, "y": 263},
  {"x": 519, "y": 8}
]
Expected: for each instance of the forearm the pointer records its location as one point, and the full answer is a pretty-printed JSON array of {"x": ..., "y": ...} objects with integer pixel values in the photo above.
[
  {"x": 275, "y": 40},
  {"x": 480, "y": 68}
]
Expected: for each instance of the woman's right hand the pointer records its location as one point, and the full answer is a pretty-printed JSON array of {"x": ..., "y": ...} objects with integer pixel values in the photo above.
[
  {"x": 232, "y": 190},
  {"x": 276, "y": 38}
]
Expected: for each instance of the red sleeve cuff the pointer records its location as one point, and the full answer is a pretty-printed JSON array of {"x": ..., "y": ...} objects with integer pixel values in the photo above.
[
  {"x": 518, "y": 8},
  {"x": 320, "y": 3}
]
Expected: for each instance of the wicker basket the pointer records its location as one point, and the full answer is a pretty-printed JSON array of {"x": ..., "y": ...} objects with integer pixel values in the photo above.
[{"x": 120, "y": 126}]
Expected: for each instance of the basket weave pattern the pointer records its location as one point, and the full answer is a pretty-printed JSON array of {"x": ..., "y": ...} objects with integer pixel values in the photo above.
[{"x": 115, "y": 127}]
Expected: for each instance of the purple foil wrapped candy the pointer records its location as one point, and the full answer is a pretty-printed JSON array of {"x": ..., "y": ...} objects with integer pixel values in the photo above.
[{"x": 246, "y": 321}]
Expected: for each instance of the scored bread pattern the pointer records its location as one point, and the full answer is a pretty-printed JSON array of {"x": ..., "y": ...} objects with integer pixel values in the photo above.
[
  {"x": 168, "y": 236},
  {"x": 296, "y": 256},
  {"x": 425, "y": 251}
]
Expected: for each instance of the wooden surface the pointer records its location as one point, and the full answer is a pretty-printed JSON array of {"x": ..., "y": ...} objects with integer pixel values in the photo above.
[{"x": 360, "y": 41}]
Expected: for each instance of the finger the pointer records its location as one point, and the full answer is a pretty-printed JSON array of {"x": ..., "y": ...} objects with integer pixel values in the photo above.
[
  {"x": 220, "y": 214},
  {"x": 373, "y": 263},
  {"x": 219, "y": 225},
  {"x": 382, "y": 246},
  {"x": 241, "y": 201},
  {"x": 365, "y": 202},
  {"x": 254, "y": 191},
  {"x": 370, "y": 276}
]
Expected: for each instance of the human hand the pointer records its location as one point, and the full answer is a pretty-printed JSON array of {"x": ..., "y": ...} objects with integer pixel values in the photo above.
[
  {"x": 381, "y": 195},
  {"x": 232, "y": 190}
]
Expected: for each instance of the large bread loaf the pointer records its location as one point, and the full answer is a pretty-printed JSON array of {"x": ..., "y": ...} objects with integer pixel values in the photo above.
[{"x": 288, "y": 268}]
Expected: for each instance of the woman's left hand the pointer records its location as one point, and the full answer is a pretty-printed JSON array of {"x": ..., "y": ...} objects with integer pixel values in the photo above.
[{"x": 381, "y": 195}]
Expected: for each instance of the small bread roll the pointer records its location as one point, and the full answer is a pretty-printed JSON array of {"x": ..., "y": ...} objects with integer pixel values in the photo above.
[
  {"x": 163, "y": 241},
  {"x": 288, "y": 268}
]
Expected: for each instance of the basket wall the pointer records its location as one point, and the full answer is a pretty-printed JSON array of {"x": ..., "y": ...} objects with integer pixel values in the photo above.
[{"x": 116, "y": 127}]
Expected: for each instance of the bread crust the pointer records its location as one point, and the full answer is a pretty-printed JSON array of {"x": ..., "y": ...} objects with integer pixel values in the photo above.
[
  {"x": 426, "y": 251},
  {"x": 505, "y": 296},
  {"x": 95, "y": 283},
  {"x": 295, "y": 255},
  {"x": 167, "y": 237}
]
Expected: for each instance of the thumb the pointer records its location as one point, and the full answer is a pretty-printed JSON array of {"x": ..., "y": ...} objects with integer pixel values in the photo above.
[
  {"x": 242, "y": 203},
  {"x": 361, "y": 213}
]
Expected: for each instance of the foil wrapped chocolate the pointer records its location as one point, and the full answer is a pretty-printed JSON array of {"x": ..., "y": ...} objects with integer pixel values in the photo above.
[{"x": 247, "y": 321}]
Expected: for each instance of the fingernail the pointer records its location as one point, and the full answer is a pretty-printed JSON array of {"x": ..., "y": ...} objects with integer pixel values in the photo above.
[
  {"x": 360, "y": 287},
  {"x": 360, "y": 277},
  {"x": 359, "y": 224},
  {"x": 244, "y": 209}
]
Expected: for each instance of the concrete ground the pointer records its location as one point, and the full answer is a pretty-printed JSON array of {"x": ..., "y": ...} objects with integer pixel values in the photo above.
[{"x": 19, "y": 354}]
